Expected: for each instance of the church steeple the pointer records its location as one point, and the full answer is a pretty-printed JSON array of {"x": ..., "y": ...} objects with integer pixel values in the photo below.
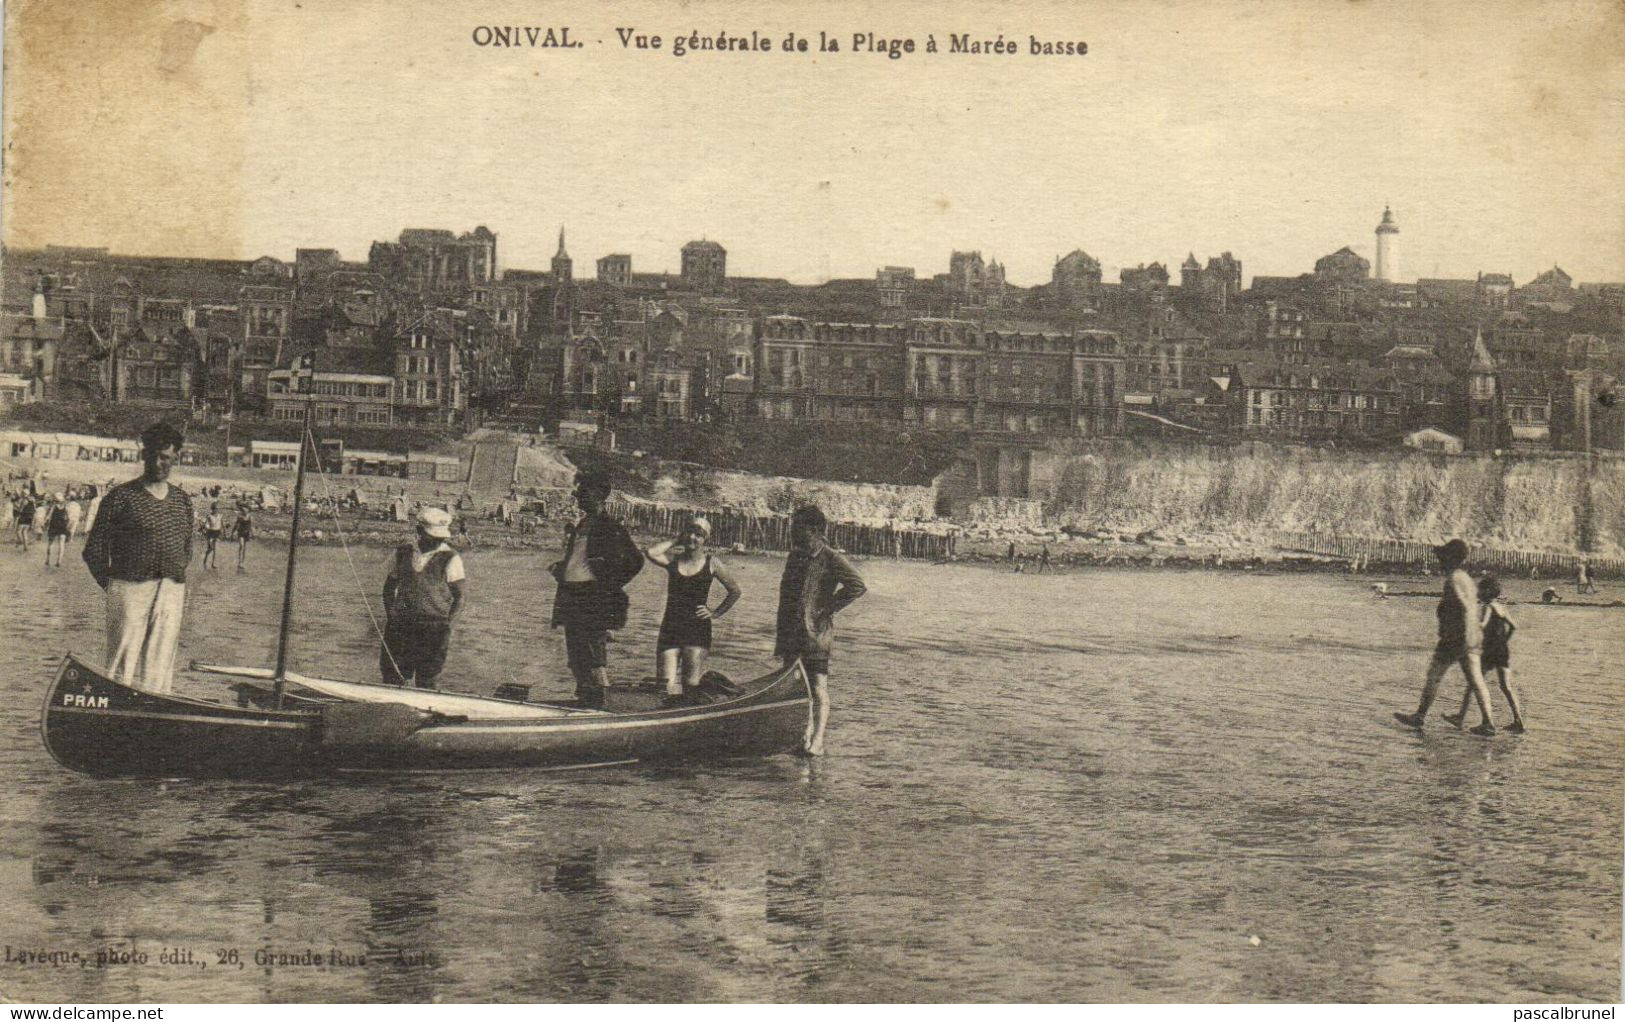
[
  {"x": 563, "y": 287},
  {"x": 562, "y": 265}
]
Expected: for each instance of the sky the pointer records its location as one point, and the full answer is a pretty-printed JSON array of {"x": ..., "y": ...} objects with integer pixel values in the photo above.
[{"x": 1276, "y": 131}]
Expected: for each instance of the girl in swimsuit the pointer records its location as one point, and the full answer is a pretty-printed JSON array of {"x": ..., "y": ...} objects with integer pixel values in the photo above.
[{"x": 685, "y": 631}]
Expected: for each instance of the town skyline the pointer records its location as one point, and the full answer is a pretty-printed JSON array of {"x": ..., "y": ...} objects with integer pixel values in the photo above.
[
  {"x": 668, "y": 262},
  {"x": 1278, "y": 134}
]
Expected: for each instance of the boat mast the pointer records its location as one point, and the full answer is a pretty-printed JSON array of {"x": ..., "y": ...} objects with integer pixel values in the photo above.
[{"x": 281, "y": 676}]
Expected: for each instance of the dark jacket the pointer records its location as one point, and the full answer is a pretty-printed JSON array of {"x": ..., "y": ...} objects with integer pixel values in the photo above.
[
  {"x": 614, "y": 560},
  {"x": 807, "y": 607}
]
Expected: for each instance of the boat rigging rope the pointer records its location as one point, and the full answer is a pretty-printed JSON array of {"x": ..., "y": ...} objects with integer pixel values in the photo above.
[{"x": 338, "y": 527}]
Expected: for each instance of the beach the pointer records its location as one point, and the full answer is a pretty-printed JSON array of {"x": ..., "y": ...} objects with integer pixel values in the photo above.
[{"x": 1099, "y": 785}]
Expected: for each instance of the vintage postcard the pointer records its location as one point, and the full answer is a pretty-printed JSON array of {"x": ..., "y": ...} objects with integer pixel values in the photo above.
[{"x": 784, "y": 502}]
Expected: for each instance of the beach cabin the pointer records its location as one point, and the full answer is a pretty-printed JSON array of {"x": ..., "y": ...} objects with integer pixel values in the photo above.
[
  {"x": 375, "y": 463},
  {"x": 274, "y": 454},
  {"x": 438, "y": 468}
]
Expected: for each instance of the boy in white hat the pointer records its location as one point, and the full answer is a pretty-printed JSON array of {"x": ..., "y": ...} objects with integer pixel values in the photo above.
[{"x": 422, "y": 595}]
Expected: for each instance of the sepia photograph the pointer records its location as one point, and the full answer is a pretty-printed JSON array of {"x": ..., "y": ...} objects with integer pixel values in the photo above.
[{"x": 751, "y": 501}]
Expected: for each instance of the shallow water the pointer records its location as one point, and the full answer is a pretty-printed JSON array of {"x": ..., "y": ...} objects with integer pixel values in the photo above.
[{"x": 1093, "y": 786}]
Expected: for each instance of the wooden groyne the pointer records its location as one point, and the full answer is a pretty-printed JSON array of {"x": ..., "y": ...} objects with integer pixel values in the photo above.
[
  {"x": 1519, "y": 563},
  {"x": 772, "y": 532}
]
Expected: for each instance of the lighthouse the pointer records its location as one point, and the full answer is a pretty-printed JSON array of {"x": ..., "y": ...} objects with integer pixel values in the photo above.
[{"x": 1388, "y": 248}]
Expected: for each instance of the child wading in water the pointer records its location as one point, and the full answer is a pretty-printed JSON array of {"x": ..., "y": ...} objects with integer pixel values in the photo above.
[
  {"x": 685, "y": 632},
  {"x": 1498, "y": 629}
]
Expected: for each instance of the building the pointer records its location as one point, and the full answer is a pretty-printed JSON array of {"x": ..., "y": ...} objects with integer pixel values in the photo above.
[
  {"x": 30, "y": 344},
  {"x": 704, "y": 266},
  {"x": 1387, "y": 248},
  {"x": 666, "y": 386},
  {"x": 1483, "y": 400},
  {"x": 350, "y": 388},
  {"x": 426, "y": 260},
  {"x": 615, "y": 269},
  {"x": 1317, "y": 401},
  {"x": 893, "y": 284},
  {"x": 974, "y": 283},
  {"x": 1493, "y": 290},
  {"x": 153, "y": 365},
  {"x": 812, "y": 370},
  {"x": 1075, "y": 278},
  {"x": 1344, "y": 265},
  {"x": 267, "y": 319},
  {"x": 940, "y": 373},
  {"x": 1153, "y": 278},
  {"x": 428, "y": 370},
  {"x": 16, "y": 389},
  {"x": 1527, "y": 400},
  {"x": 1213, "y": 288}
]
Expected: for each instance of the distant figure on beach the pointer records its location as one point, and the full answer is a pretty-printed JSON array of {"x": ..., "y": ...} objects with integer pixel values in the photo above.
[
  {"x": 1461, "y": 638},
  {"x": 1582, "y": 578},
  {"x": 138, "y": 552},
  {"x": 817, "y": 584},
  {"x": 1551, "y": 595},
  {"x": 422, "y": 595},
  {"x": 685, "y": 630},
  {"x": 213, "y": 526},
  {"x": 599, "y": 560},
  {"x": 243, "y": 531},
  {"x": 76, "y": 514},
  {"x": 1498, "y": 629},
  {"x": 1043, "y": 558},
  {"x": 23, "y": 517},
  {"x": 1010, "y": 554},
  {"x": 56, "y": 528},
  {"x": 92, "y": 506}
]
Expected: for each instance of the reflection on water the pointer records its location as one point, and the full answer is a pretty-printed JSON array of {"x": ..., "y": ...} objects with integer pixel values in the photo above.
[{"x": 1094, "y": 786}]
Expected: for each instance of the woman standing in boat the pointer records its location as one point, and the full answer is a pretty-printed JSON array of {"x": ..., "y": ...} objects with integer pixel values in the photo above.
[{"x": 685, "y": 631}]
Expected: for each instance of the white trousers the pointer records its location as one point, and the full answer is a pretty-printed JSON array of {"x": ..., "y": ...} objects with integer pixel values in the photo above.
[{"x": 143, "y": 629}]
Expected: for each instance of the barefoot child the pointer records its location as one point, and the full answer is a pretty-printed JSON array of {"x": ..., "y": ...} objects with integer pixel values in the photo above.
[{"x": 1498, "y": 629}]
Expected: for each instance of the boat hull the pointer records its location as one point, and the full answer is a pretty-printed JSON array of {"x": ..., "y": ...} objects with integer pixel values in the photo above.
[{"x": 96, "y": 725}]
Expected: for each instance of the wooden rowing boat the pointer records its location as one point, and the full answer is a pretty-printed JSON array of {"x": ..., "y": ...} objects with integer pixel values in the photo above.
[{"x": 94, "y": 724}]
